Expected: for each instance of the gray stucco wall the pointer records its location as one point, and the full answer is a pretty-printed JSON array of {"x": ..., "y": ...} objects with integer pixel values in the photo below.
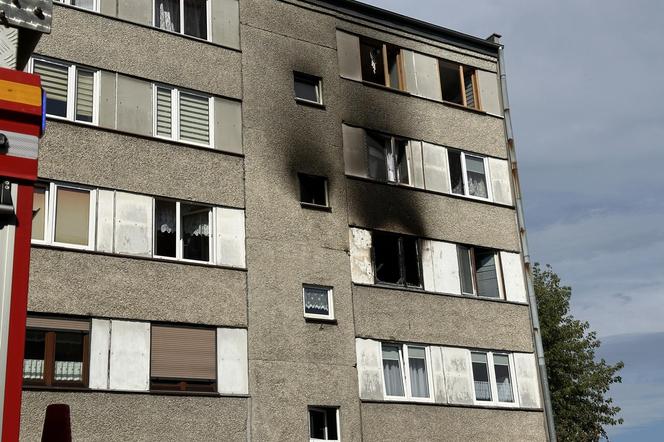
[
  {"x": 119, "y": 287},
  {"x": 391, "y": 314},
  {"x": 139, "y": 417},
  {"x": 86, "y": 155},
  {"x": 105, "y": 43},
  {"x": 399, "y": 422}
]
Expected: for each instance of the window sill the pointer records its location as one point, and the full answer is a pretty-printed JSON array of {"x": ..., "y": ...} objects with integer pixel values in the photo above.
[
  {"x": 433, "y": 192},
  {"x": 436, "y": 404},
  {"x": 141, "y": 258},
  {"x": 426, "y": 292},
  {"x": 308, "y": 103},
  {"x": 150, "y": 392},
  {"x": 329, "y": 321},
  {"x": 315, "y": 207}
]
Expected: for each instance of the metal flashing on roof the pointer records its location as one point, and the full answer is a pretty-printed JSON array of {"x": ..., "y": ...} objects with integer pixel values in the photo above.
[{"x": 410, "y": 25}]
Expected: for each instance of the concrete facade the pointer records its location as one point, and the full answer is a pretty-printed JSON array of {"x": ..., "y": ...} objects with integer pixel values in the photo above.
[{"x": 293, "y": 363}]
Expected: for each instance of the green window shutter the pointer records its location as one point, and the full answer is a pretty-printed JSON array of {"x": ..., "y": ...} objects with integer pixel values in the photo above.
[
  {"x": 84, "y": 95},
  {"x": 164, "y": 112},
  {"x": 54, "y": 78},
  {"x": 194, "y": 118}
]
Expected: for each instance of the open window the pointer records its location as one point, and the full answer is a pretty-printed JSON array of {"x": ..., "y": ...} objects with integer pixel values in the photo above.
[
  {"x": 480, "y": 272},
  {"x": 468, "y": 174},
  {"x": 381, "y": 64},
  {"x": 323, "y": 424},
  {"x": 313, "y": 191},
  {"x": 183, "y": 359},
  {"x": 387, "y": 158},
  {"x": 396, "y": 259},
  {"x": 56, "y": 352},
  {"x": 459, "y": 84},
  {"x": 318, "y": 302},
  {"x": 308, "y": 88},
  {"x": 189, "y": 17},
  {"x": 406, "y": 372},
  {"x": 182, "y": 230},
  {"x": 492, "y": 378}
]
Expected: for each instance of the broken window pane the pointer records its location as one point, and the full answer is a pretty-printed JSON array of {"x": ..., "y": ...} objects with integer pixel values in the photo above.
[
  {"x": 373, "y": 69},
  {"x": 165, "y": 228},
  {"x": 487, "y": 278},
  {"x": 401, "y": 159},
  {"x": 195, "y": 226},
  {"x": 386, "y": 256},
  {"x": 377, "y": 146},
  {"x": 465, "y": 269},
  {"x": 450, "y": 78},
  {"x": 481, "y": 377},
  {"x": 313, "y": 190},
  {"x": 167, "y": 15},
  {"x": 195, "y": 18},
  {"x": 411, "y": 261},
  {"x": 476, "y": 177},
  {"x": 72, "y": 216},
  {"x": 456, "y": 172}
]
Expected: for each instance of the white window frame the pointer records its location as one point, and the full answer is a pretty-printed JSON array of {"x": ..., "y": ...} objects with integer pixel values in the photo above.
[
  {"x": 175, "y": 115},
  {"x": 208, "y": 16},
  {"x": 72, "y": 70},
  {"x": 179, "y": 244},
  {"x": 494, "y": 402},
  {"x": 330, "y": 302},
  {"x": 95, "y": 6},
  {"x": 319, "y": 87},
  {"x": 325, "y": 410},
  {"x": 473, "y": 269},
  {"x": 464, "y": 174},
  {"x": 405, "y": 373},
  {"x": 49, "y": 218}
]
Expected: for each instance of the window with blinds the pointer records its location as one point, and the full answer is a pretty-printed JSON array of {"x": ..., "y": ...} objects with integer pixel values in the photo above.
[
  {"x": 182, "y": 116},
  {"x": 195, "y": 118},
  {"x": 55, "y": 81},
  {"x": 164, "y": 112},
  {"x": 183, "y": 359},
  {"x": 85, "y": 81}
]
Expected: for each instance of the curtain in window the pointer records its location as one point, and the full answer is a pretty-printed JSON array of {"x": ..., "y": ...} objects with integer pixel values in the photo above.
[
  {"x": 68, "y": 371},
  {"x": 419, "y": 383},
  {"x": 481, "y": 377},
  {"x": 476, "y": 177},
  {"x": 72, "y": 216},
  {"x": 315, "y": 301},
  {"x": 194, "y": 118},
  {"x": 84, "y": 95},
  {"x": 54, "y": 78},
  {"x": 165, "y": 217},
  {"x": 196, "y": 223},
  {"x": 168, "y": 15},
  {"x": 195, "y": 18},
  {"x": 33, "y": 369},
  {"x": 164, "y": 112},
  {"x": 392, "y": 370},
  {"x": 502, "y": 369}
]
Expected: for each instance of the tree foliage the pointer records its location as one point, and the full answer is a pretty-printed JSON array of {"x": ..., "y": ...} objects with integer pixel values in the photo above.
[{"x": 578, "y": 382}]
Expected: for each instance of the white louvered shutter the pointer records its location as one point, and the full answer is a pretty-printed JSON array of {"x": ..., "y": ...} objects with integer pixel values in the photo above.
[
  {"x": 85, "y": 81},
  {"x": 54, "y": 78},
  {"x": 194, "y": 118},
  {"x": 164, "y": 112}
]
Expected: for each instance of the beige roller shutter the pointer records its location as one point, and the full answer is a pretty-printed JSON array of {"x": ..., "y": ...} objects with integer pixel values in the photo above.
[
  {"x": 164, "y": 112},
  {"x": 54, "y": 79},
  {"x": 183, "y": 353},
  {"x": 85, "y": 81},
  {"x": 57, "y": 323},
  {"x": 194, "y": 118}
]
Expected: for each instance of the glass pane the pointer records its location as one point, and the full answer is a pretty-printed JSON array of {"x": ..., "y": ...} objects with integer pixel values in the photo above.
[
  {"x": 68, "y": 356},
  {"x": 195, "y": 221},
  {"x": 386, "y": 256},
  {"x": 487, "y": 278},
  {"x": 371, "y": 56},
  {"x": 456, "y": 175},
  {"x": 84, "y": 95},
  {"x": 316, "y": 301},
  {"x": 33, "y": 362},
  {"x": 411, "y": 261},
  {"x": 195, "y": 18},
  {"x": 503, "y": 382},
  {"x": 401, "y": 161},
  {"x": 476, "y": 177},
  {"x": 54, "y": 79},
  {"x": 317, "y": 424},
  {"x": 164, "y": 112},
  {"x": 465, "y": 270},
  {"x": 306, "y": 88},
  {"x": 167, "y": 15},
  {"x": 393, "y": 66},
  {"x": 87, "y": 4},
  {"x": 38, "y": 213},
  {"x": 419, "y": 382},
  {"x": 165, "y": 228},
  {"x": 332, "y": 424},
  {"x": 450, "y": 78},
  {"x": 194, "y": 118},
  {"x": 481, "y": 377},
  {"x": 468, "y": 75},
  {"x": 392, "y": 370},
  {"x": 377, "y": 146},
  {"x": 313, "y": 190},
  {"x": 72, "y": 216}
]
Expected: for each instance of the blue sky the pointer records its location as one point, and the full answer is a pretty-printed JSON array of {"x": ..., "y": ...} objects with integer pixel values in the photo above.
[{"x": 587, "y": 97}]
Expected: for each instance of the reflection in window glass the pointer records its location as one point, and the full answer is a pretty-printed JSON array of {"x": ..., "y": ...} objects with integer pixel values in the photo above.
[
  {"x": 195, "y": 222},
  {"x": 476, "y": 177},
  {"x": 392, "y": 370},
  {"x": 501, "y": 365},
  {"x": 165, "y": 228},
  {"x": 417, "y": 364},
  {"x": 167, "y": 15},
  {"x": 307, "y": 88},
  {"x": 481, "y": 377},
  {"x": 72, "y": 216},
  {"x": 38, "y": 213},
  {"x": 195, "y": 18},
  {"x": 55, "y": 81}
]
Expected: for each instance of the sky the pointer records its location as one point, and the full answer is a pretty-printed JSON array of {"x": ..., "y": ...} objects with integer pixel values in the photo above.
[{"x": 586, "y": 87}]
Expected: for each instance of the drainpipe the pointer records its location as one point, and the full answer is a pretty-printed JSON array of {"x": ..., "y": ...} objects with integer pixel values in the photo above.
[{"x": 516, "y": 189}]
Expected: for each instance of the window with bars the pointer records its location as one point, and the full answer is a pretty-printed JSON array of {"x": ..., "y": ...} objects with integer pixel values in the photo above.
[
  {"x": 459, "y": 84},
  {"x": 492, "y": 377},
  {"x": 56, "y": 352},
  {"x": 480, "y": 272},
  {"x": 182, "y": 116},
  {"x": 70, "y": 90}
]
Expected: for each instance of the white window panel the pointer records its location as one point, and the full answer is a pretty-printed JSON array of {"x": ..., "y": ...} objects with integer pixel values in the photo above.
[
  {"x": 406, "y": 372},
  {"x": 318, "y": 302},
  {"x": 494, "y": 367},
  {"x": 91, "y": 5},
  {"x": 180, "y": 16},
  {"x": 183, "y": 116}
]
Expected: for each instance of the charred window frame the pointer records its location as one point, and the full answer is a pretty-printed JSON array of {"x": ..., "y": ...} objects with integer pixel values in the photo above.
[
  {"x": 382, "y": 64},
  {"x": 387, "y": 158},
  {"x": 480, "y": 272},
  {"x": 396, "y": 260},
  {"x": 459, "y": 84}
]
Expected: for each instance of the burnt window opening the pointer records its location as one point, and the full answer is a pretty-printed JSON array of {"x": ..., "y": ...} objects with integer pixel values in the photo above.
[
  {"x": 381, "y": 64},
  {"x": 396, "y": 260},
  {"x": 308, "y": 88},
  {"x": 313, "y": 190},
  {"x": 387, "y": 158},
  {"x": 458, "y": 84},
  {"x": 479, "y": 272}
]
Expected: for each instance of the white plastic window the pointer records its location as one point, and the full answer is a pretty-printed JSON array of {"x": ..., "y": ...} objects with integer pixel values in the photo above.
[{"x": 183, "y": 116}]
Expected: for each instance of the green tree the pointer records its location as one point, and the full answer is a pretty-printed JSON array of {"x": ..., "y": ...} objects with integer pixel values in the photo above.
[{"x": 578, "y": 382}]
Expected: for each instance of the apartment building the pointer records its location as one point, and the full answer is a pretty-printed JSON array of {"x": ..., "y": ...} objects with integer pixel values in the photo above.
[{"x": 275, "y": 220}]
